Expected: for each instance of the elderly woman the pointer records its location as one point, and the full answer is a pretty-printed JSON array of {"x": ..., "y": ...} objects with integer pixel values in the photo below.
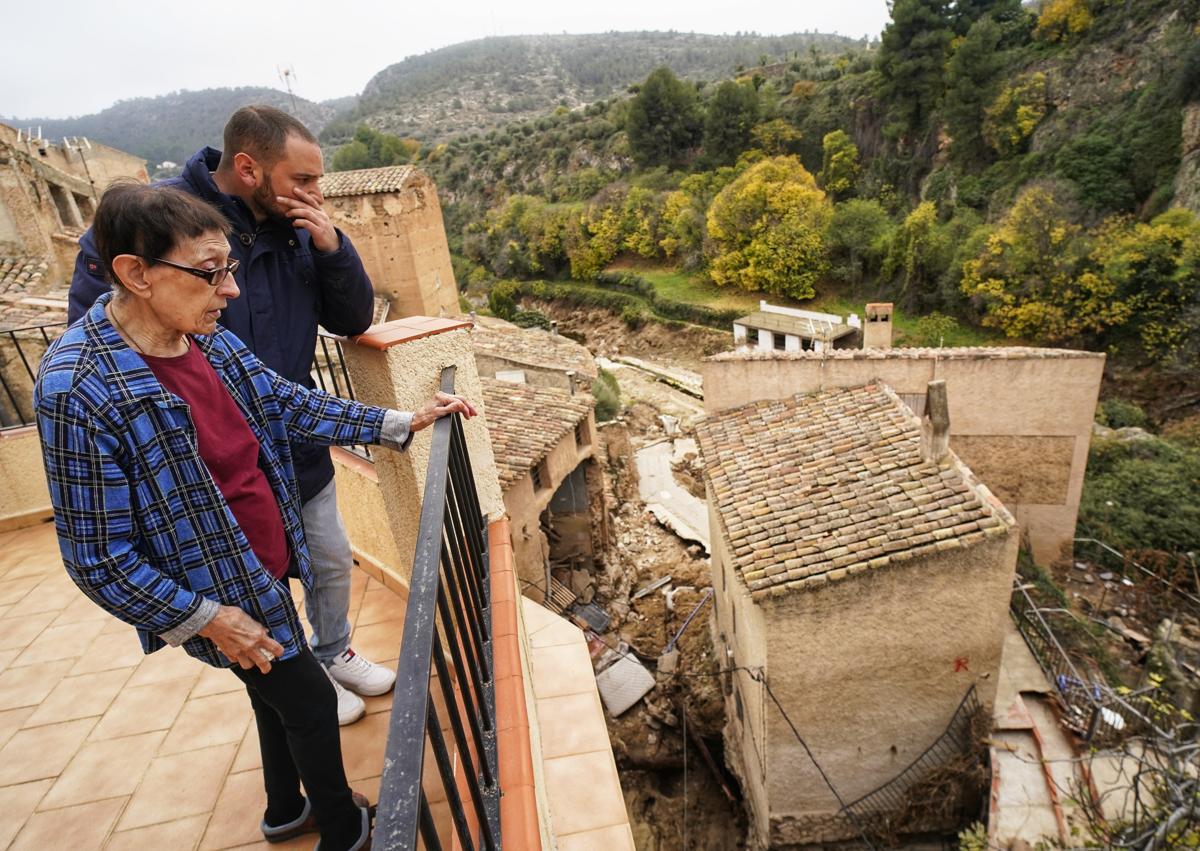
[{"x": 166, "y": 446}]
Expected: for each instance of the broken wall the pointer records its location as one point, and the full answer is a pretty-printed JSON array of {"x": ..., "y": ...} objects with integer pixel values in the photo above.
[{"x": 402, "y": 241}]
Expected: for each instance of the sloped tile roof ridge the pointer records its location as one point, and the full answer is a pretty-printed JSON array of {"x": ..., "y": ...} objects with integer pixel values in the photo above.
[
  {"x": 365, "y": 181},
  {"x": 956, "y": 353},
  {"x": 533, "y": 347},
  {"x": 525, "y": 422},
  {"x": 821, "y": 487}
]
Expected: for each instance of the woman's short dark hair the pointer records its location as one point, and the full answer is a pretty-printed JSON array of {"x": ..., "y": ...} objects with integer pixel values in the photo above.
[{"x": 149, "y": 221}]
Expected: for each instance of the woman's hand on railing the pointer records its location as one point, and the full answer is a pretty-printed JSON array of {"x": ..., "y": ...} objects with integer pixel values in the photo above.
[{"x": 442, "y": 405}]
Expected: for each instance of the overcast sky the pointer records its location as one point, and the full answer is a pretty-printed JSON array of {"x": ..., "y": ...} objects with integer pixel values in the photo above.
[{"x": 79, "y": 56}]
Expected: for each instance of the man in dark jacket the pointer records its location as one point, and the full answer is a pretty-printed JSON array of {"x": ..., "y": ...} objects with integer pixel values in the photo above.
[{"x": 297, "y": 271}]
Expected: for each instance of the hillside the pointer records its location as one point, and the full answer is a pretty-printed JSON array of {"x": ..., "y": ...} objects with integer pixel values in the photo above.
[
  {"x": 480, "y": 84},
  {"x": 172, "y": 127}
]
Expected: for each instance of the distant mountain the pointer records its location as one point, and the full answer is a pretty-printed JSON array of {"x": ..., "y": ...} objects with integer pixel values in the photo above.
[
  {"x": 489, "y": 82},
  {"x": 172, "y": 127}
]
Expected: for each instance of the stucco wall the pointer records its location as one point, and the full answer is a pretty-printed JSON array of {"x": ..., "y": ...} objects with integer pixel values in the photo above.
[
  {"x": 740, "y": 641},
  {"x": 871, "y": 670},
  {"x": 1023, "y": 423},
  {"x": 405, "y": 376},
  {"x": 365, "y": 514},
  {"x": 402, "y": 241},
  {"x": 23, "y": 490}
]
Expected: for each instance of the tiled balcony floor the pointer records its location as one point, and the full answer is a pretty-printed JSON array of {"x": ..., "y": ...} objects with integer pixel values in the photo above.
[{"x": 104, "y": 747}]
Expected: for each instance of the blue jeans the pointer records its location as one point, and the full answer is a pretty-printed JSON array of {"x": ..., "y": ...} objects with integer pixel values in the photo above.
[{"x": 328, "y": 604}]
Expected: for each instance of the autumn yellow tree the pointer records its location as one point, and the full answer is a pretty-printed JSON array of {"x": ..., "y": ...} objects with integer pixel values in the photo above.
[
  {"x": 839, "y": 169},
  {"x": 1061, "y": 19},
  {"x": 1016, "y": 113},
  {"x": 767, "y": 230},
  {"x": 1034, "y": 280}
]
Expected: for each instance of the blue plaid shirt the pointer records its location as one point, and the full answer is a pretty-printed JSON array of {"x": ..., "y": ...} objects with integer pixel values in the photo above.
[{"x": 143, "y": 529}]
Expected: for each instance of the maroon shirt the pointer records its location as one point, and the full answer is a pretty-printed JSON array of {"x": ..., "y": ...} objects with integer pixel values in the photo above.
[{"x": 229, "y": 449}]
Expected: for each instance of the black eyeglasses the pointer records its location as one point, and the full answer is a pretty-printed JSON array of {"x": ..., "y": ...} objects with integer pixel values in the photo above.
[{"x": 213, "y": 277}]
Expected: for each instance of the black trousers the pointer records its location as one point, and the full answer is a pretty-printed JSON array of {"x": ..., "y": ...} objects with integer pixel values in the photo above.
[{"x": 295, "y": 709}]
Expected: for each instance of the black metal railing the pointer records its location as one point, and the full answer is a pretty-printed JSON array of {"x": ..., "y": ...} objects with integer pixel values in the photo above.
[
  {"x": 331, "y": 375},
  {"x": 21, "y": 351},
  {"x": 1091, "y": 708},
  {"x": 444, "y": 701},
  {"x": 885, "y": 810}
]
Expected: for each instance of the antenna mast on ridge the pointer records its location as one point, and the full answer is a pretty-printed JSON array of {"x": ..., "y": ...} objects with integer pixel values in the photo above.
[{"x": 287, "y": 73}]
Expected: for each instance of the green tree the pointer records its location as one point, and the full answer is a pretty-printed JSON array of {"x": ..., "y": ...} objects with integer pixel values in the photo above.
[
  {"x": 767, "y": 230},
  {"x": 730, "y": 117},
  {"x": 373, "y": 149},
  {"x": 839, "y": 166},
  {"x": 971, "y": 80},
  {"x": 915, "y": 254},
  {"x": 1100, "y": 167},
  {"x": 858, "y": 238},
  {"x": 664, "y": 120},
  {"x": 912, "y": 58}
]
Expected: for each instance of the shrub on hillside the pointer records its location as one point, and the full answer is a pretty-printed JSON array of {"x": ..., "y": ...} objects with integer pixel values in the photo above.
[{"x": 608, "y": 396}]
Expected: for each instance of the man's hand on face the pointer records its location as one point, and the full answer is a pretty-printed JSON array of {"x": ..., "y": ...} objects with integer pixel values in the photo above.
[{"x": 305, "y": 212}]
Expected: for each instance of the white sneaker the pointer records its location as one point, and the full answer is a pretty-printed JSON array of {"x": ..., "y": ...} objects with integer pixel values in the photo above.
[
  {"x": 361, "y": 675},
  {"x": 350, "y": 707}
]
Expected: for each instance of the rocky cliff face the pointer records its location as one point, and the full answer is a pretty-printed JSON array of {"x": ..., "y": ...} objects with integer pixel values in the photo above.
[{"x": 1187, "y": 180}]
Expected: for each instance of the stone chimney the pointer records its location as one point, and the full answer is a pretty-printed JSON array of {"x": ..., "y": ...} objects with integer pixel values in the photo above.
[
  {"x": 935, "y": 425},
  {"x": 877, "y": 329}
]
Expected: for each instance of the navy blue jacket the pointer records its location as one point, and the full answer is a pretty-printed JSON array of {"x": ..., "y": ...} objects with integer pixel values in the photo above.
[{"x": 288, "y": 288}]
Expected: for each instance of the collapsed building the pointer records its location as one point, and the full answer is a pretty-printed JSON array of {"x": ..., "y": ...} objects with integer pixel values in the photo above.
[{"x": 862, "y": 576}]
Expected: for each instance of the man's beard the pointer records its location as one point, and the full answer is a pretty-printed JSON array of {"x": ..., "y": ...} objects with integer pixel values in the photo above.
[{"x": 264, "y": 198}]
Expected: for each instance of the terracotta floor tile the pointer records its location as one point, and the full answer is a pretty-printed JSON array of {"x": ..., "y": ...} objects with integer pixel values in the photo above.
[
  {"x": 58, "y": 642},
  {"x": 4, "y": 610},
  {"x": 170, "y": 663},
  {"x": 572, "y": 724},
  {"x": 17, "y": 803},
  {"x": 108, "y": 769},
  {"x": 379, "y": 640},
  {"x": 220, "y": 719},
  {"x": 53, "y": 593},
  {"x": 300, "y": 843},
  {"x": 80, "y": 697},
  {"x": 249, "y": 756},
  {"x": 181, "y": 835},
  {"x": 216, "y": 681},
  {"x": 32, "y": 561},
  {"x": 18, "y": 633},
  {"x": 177, "y": 786},
  {"x": 29, "y": 686},
  {"x": 143, "y": 709},
  {"x": 556, "y": 634},
  {"x": 368, "y": 786},
  {"x": 617, "y": 837},
  {"x": 380, "y": 605},
  {"x": 117, "y": 649},
  {"x": 12, "y": 720},
  {"x": 42, "y": 751},
  {"x": 565, "y": 669},
  {"x": 363, "y": 744},
  {"x": 12, "y": 591},
  {"x": 236, "y": 817},
  {"x": 81, "y": 610},
  {"x": 6, "y": 656},
  {"x": 585, "y": 792},
  {"x": 82, "y": 826}
]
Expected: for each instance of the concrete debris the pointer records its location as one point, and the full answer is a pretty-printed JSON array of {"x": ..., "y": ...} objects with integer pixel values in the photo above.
[
  {"x": 623, "y": 683},
  {"x": 652, "y": 587}
]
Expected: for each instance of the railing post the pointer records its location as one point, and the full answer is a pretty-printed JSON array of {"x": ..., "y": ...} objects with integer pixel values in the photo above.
[{"x": 398, "y": 365}]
